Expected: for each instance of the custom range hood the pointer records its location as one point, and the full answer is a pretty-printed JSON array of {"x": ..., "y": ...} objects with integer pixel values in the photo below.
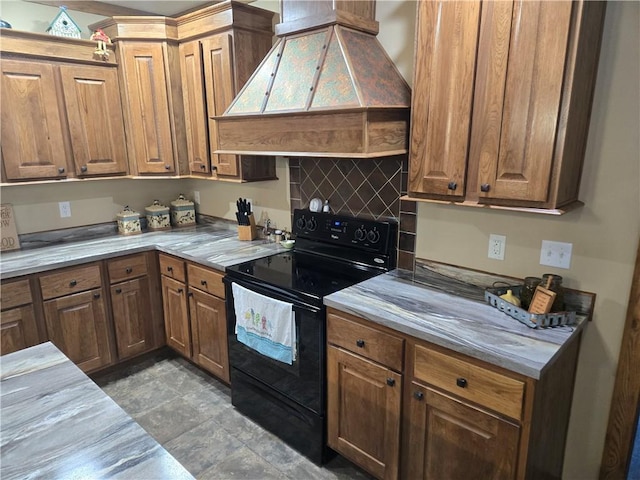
[{"x": 326, "y": 89}]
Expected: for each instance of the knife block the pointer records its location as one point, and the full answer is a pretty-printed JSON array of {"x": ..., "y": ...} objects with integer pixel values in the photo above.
[{"x": 247, "y": 232}]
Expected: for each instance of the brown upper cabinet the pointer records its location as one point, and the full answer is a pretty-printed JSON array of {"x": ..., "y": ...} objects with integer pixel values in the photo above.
[
  {"x": 502, "y": 97},
  {"x": 61, "y": 114},
  {"x": 220, "y": 47},
  {"x": 147, "y": 53}
]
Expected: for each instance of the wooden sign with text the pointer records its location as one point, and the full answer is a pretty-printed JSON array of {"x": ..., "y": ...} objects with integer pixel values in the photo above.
[{"x": 8, "y": 230}]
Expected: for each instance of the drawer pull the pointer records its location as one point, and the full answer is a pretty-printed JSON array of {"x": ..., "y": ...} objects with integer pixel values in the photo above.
[
  {"x": 360, "y": 343},
  {"x": 118, "y": 290},
  {"x": 73, "y": 283},
  {"x": 461, "y": 382},
  {"x": 129, "y": 270},
  {"x": 418, "y": 395},
  {"x": 203, "y": 282},
  {"x": 96, "y": 295},
  {"x": 391, "y": 382},
  {"x": 190, "y": 294},
  {"x": 169, "y": 269}
]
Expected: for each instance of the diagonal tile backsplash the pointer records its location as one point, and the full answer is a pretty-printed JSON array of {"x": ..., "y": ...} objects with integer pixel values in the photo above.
[{"x": 359, "y": 187}]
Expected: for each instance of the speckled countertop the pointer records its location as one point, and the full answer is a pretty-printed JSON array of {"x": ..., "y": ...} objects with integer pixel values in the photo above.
[
  {"x": 210, "y": 245},
  {"x": 462, "y": 322},
  {"x": 56, "y": 423}
]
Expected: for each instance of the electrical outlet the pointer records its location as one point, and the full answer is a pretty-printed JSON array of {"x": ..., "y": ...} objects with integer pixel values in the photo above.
[
  {"x": 196, "y": 197},
  {"x": 556, "y": 254},
  {"x": 65, "y": 209},
  {"x": 497, "y": 245}
]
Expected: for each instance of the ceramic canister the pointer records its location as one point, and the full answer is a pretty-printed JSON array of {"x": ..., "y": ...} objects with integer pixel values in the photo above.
[
  {"x": 183, "y": 212},
  {"x": 157, "y": 216},
  {"x": 128, "y": 222}
]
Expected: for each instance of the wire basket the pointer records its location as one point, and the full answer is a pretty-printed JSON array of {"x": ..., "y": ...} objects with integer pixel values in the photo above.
[{"x": 533, "y": 320}]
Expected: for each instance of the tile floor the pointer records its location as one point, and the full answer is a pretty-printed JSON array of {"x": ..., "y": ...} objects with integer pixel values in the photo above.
[{"x": 190, "y": 414}]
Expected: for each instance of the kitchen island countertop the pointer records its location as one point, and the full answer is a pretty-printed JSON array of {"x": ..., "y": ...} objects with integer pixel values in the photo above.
[
  {"x": 210, "y": 245},
  {"x": 465, "y": 325},
  {"x": 56, "y": 423}
]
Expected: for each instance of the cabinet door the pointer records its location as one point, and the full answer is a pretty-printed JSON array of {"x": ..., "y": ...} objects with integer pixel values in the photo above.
[
  {"x": 77, "y": 325},
  {"x": 194, "y": 107},
  {"x": 32, "y": 122},
  {"x": 18, "y": 329},
  {"x": 147, "y": 107},
  {"x": 355, "y": 386},
  {"x": 132, "y": 316},
  {"x": 209, "y": 332},
  {"x": 176, "y": 315},
  {"x": 450, "y": 439},
  {"x": 442, "y": 96},
  {"x": 521, "y": 61},
  {"x": 217, "y": 53},
  {"x": 92, "y": 99}
]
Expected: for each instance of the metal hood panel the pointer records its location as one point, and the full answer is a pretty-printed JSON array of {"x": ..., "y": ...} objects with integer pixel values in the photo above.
[{"x": 332, "y": 91}]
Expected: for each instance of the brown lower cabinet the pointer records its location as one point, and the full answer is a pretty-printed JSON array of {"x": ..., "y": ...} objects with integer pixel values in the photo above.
[
  {"x": 400, "y": 407},
  {"x": 195, "y": 314},
  {"x": 18, "y": 326}
]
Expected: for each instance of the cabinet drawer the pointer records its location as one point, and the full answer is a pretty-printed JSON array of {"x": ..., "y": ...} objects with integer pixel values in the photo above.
[
  {"x": 126, "y": 268},
  {"x": 366, "y": 341},
  {"x": 70, "y": 281},
  {"x": 14, "y": 294},
  {"x": 172, "y": 267},
  {"x": 206, "y": 280},
  {"x": 480, "y": 385}
]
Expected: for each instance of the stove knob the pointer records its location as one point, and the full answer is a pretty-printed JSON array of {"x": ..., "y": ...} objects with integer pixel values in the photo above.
[
  {"x": 312, "y": 224},
  {"x": 373, "y": 236},
  {"x": 360, "y": 234},
  {"x": 301, "y": 223}
]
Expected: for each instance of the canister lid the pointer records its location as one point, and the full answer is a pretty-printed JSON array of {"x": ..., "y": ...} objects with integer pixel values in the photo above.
[
  {"x": 181, "y": 201},
  {"x": 127, "y": 213},
  {"x": 157, "y": 207}
]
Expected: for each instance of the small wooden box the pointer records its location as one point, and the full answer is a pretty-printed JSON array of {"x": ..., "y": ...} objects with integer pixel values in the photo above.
[{"x": 247, "y": 232}]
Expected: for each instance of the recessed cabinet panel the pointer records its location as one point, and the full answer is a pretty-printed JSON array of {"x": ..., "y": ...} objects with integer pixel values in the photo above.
[
  {"x": 447, "y": 42},
  {"x": 18, "y": 329},
  {"x": 176, "y": 315},
  {"x": 209, "y": 333},
  {"x": 132, "y": 317},
  {"x": 220, "y": 85},
  {"x": 147, "y": 102},
  {"x": 32, "y": 122},
  {"x": 92, "y": 98}
]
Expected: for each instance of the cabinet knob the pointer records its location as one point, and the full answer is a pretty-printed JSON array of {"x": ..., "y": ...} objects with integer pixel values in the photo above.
[
  {"x": 452, "y": 185},
  {"x": 118, "y": 290},
  {"x": 214, "y": 167},
  {"x": 180, "y": 290},
  {"x": 96, "y": 295},
  {"x": 203, "y": 282},
  {"x": 129, "y": 270},
  {"x": 83, "y": 169},
  {"x": 418, "y": 395},
  {"x": 202, "y": 167},
  {"x": 485, "y": 187},
  {"x": 73, "y": 283},
  {"x": 461, "y": 382},
  {"x": 60, "y": 169},
  {"x": 169, "y": 269},
  {"x": 167, "y": 167},
  {"x": 360, "y": 343},
  {"x": 391, "y": 382},
  {"x": 190, "y": 294}
]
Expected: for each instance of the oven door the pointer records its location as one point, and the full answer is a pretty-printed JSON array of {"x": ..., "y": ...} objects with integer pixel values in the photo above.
[{"x": 301, "y": 382}]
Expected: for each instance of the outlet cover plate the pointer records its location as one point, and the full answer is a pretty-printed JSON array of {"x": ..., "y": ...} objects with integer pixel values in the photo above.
[
  {"x": 497, "y": 245},
  {"x": 65, "y": 209},
  {"x": 556, "y": 254}
]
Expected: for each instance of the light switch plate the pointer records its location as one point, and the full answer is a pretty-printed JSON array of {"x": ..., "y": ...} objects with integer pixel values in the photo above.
[{"x": 556, "y": 254}]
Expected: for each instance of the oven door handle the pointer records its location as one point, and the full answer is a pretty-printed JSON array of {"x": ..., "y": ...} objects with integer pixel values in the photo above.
[{"x": 273, "y": 292}]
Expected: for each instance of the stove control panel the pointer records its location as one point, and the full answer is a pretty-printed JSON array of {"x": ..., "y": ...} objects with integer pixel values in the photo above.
[{"x": 373, "y": 235}]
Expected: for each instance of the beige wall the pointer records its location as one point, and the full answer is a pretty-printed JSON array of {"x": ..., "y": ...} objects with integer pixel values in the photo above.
[{"x": 604, "y": 233}]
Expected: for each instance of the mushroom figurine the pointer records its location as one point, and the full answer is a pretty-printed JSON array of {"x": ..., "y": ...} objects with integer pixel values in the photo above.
[{"x": 103, "y": 40}]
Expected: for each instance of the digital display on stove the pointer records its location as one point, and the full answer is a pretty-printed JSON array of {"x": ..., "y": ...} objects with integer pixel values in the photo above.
[{"x": 337, "y": 223}]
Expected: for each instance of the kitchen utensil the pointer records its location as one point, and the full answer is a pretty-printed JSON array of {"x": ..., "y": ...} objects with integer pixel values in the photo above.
[
  {"x": 128, "y": 221},
  {"x": 157, "y": 216},
  {"x": 315, "y": 205}
]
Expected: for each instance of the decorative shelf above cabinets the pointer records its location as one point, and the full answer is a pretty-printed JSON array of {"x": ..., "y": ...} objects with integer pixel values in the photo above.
[{"x": 502, "y": 100}]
